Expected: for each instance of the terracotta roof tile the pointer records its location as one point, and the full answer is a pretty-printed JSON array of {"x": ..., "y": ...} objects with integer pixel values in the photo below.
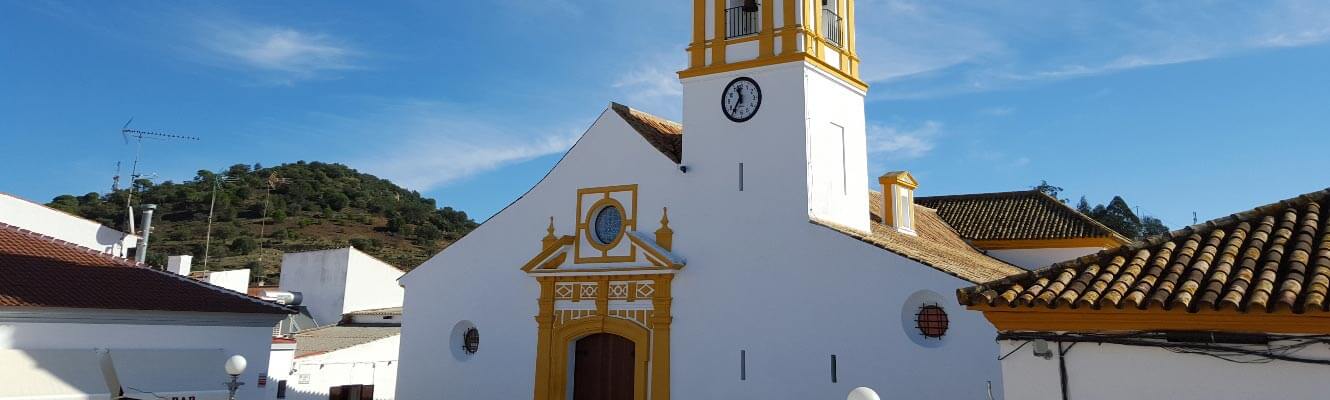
[
  {"x": 936, "y": 245},
  {"x": 663, "y": 134},
  {"x": 337, "y": 337},
  {"x": 1271, "y": 258},
  {"x": 1021, "y": 215},
  {"x": 39, "y": 271}
]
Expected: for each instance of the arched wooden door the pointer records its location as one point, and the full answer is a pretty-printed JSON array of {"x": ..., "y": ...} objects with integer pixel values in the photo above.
[{"x": 603, "y": 368}]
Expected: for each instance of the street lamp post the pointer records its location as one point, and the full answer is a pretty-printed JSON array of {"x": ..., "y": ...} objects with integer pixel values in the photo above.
[{"x": 234, "y": 367}]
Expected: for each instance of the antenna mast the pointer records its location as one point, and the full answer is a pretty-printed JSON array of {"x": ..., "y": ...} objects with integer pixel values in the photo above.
[{"x": 134, "y": 175}]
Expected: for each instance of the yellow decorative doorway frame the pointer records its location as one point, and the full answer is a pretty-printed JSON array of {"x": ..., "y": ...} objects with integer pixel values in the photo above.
[{"x": 648, "y": 329}]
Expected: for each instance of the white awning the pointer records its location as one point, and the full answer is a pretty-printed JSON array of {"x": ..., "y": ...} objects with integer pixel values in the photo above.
[
  {"x": 52, "y": 375},
  {"x": 153, "y": 374}
]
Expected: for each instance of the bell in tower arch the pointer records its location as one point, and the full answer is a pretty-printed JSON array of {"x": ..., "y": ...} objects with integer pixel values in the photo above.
[{"x": 750, "y": 6}]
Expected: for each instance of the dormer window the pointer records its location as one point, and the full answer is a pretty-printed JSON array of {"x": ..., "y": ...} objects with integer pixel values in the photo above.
[{"x": 741, "y": 18}]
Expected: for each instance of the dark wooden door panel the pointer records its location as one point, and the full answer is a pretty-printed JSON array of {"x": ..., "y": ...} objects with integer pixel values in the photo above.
[{"x": 603, "y": 368}]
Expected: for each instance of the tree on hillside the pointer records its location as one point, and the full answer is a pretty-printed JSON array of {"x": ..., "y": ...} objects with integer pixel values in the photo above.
[
  {"x": 1117, "y": 214},
  {"x": 354, "y": 203},
  {"x": 1050, "y": 190}
]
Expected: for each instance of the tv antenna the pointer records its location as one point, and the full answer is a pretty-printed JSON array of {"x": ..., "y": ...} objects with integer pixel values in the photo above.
[
  {"x": 139, "y": 136},
  {"x": 273, "y": 181}
]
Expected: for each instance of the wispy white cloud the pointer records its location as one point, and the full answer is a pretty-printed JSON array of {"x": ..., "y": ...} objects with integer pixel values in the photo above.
[
  {"x": 425, "y": 145},
  {"x": 897, "y": 143},
  {"x": 924, "y": 49},
  {"x": 652, "y": 85},
  {"x": 278, "y": 54}
]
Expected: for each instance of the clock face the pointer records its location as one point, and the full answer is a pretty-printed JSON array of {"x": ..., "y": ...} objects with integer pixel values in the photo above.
[{"x": 741, "y": 99}]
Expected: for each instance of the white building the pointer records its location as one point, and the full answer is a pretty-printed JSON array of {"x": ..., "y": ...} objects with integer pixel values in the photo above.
[
  {"x": 1233, "y": 308},
  {"x": 355, "y": 359},
  {"x": 76, "y": 323},
  {"x": 339, "y": 281},
  {"x": 347, "y": 301},
  {"x": 745, "y": 259},
  {"x": 25, "y": 214}
]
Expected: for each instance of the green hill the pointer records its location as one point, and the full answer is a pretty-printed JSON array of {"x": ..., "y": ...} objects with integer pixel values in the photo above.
[{"x": 309, "y": 206}]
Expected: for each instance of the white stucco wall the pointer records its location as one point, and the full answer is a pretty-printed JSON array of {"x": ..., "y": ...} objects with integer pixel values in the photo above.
[
  {"x": 279, "y": 367},
  {"x": 320, "y": 277},
  {"x": 1038, "y": 258},
  {"x": 38, "y": 218},
  {"x": 236, "y": 280},
  {"x": 374, "y": 363},
  {"x": 760, "y": 277},
  {"x": 252, "y": 342},
  {"x": 335, "y": 282},
  {"x": 371, "y": 284},
  {"x": 1110, "y": 371}
]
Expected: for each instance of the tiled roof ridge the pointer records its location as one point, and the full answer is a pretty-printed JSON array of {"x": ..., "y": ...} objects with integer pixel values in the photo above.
[
  {"x": 1010, "y": 193},
  {"x": 123, "y": 262},
  {"x": 222, "y": 290},
  {"x": 373, "y": 310},
  {"x": 669, "y": 141},
  {"x": 1050, "y": 275},
  {"x": 1110, "y": 232},
  {"x": 1105, "y": 230}
]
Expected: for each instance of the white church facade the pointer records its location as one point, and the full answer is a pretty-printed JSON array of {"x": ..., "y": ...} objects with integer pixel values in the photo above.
[{"x": 747, "y": 258}]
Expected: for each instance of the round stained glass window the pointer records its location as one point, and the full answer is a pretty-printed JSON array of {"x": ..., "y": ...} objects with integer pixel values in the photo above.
[{"x": 608, "y": 224}]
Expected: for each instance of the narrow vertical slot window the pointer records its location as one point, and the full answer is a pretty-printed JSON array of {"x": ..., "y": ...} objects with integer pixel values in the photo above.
[
  {"x": 741, "y": 177},
  {"x": 743, "y": 365},
  {"x": 833, "y": 368}
]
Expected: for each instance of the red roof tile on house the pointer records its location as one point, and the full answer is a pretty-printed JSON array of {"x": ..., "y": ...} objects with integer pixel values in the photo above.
[{"x": 40, "y": 271}]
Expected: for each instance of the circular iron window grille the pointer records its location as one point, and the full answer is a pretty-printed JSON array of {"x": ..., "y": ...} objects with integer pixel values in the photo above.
[
  {"x": 932, "y": 321},
  {"x": 471, "y": 341}
]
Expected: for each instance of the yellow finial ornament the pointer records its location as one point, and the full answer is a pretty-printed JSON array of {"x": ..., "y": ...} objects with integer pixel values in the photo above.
[
  {"x": 549, "y": 236},
  {"x": 665, "y": 235}
]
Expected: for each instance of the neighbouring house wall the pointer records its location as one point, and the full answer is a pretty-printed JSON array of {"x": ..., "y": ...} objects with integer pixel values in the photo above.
[
  {"x": 60, "y": 225},
  {"x": 321, "y": 277},
  {"x": 1111, "y": 371},
  {"x": 279, "y": 368},
  {"x": 374, "y": 363},
  {"x": 376, "y": 319},
  {"x": 252, "y": 342},
  {"x": 1033, "y": 259},
  {"x": 236, "y": 280},
  {"x": 371, "y": 284}
]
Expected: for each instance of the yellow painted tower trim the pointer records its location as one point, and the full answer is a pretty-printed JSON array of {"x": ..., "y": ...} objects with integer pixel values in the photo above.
[{"x": 815, "y": 50}]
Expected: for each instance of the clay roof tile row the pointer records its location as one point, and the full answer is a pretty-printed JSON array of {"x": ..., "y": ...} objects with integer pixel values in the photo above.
[
  {"x": 1271, "y": 258},
  {"x": 40, "y": 271}
]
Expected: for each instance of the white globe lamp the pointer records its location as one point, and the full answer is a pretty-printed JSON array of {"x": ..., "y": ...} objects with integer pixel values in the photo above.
[
  {"x": 863, "y": 393},
  {"x": 234, "y": 367}
]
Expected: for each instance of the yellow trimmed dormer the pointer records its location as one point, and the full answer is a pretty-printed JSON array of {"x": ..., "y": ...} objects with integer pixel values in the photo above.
[
  {"x": 898, "y": 201},
  {"x": 730, "y": 35}
]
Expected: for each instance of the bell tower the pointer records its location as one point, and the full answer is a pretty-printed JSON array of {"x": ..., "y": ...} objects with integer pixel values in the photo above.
[
  {"x": 737, "y": 34},
  {"x": 773, "y": 102}
]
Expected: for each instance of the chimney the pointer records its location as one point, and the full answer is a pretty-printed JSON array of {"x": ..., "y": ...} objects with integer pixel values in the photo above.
[
  {"x": 141, "y": 253},
  {"x": 179, "y": 265},
  {"x": 898, "y": 201}
]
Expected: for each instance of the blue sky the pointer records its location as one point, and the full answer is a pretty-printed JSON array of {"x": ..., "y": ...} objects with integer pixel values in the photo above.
[{"x": 1206, "y": 106}]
